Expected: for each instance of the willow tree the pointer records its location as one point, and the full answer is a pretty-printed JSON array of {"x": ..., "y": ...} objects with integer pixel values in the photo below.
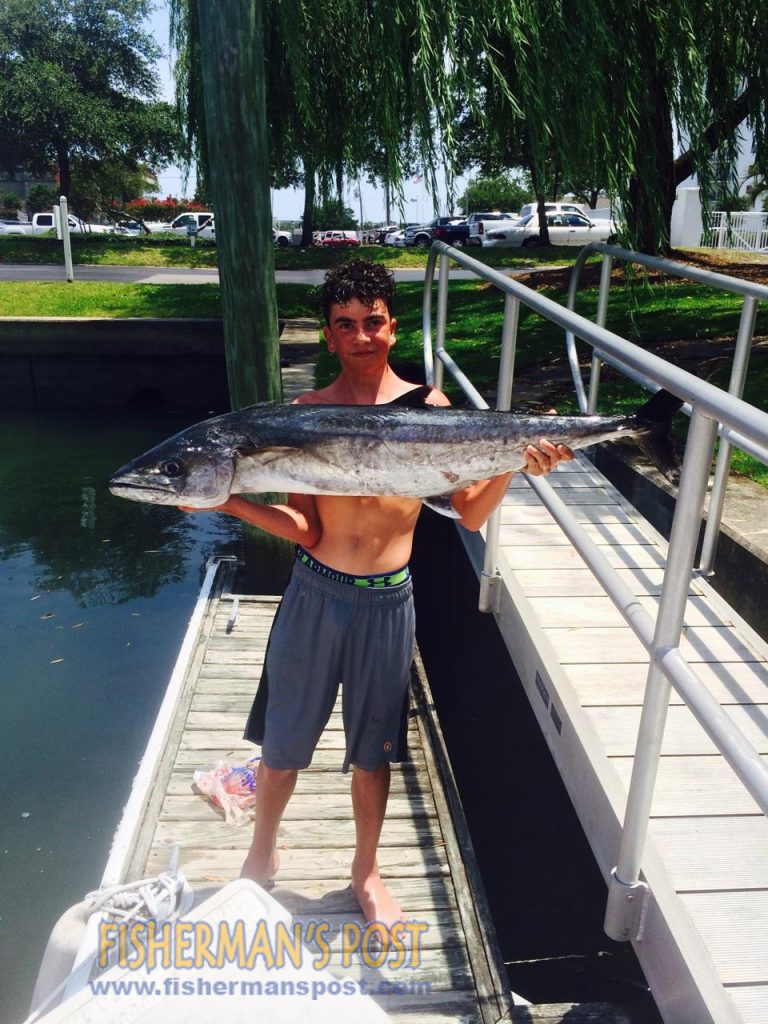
[{"x": 620, "y": 85}]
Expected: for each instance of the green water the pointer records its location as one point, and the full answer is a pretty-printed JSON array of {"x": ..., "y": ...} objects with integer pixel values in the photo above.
[{"x": 95, "y": 596}]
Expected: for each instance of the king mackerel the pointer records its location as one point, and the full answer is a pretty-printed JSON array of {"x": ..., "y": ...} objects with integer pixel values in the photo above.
[{"x": 405, "y": 448}]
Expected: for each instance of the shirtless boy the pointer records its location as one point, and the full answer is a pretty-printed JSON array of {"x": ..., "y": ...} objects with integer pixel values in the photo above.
[{"x": 347, "y": 612}]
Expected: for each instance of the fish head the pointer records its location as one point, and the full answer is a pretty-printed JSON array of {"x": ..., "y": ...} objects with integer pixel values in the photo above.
[{"x": 188, "y": 469}]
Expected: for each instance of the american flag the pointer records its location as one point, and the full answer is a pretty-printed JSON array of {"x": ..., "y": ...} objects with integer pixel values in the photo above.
[{"x": 417, "y": 179}]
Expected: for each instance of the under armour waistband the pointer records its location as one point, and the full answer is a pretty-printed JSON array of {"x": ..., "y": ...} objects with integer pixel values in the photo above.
[{"x": 386, "y": 579}]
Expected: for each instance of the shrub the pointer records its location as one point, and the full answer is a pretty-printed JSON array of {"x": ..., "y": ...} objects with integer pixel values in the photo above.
[{"x": 160, "y": 209}]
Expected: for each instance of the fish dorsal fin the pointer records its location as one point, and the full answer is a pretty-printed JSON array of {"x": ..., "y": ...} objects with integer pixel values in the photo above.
[{"x": 414, "y": 399}]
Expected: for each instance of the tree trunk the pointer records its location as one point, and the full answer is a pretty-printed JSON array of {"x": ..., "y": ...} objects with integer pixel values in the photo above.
[
  {"x": 234, "y": 86},
  {"x": 652, "y": 188},
  {"x": 685, "y": 164},
  {"x": 538, "y": 191},
  {"x": 65, "y": 176},
  {"x": 309, "y": 203},
  {"x": 238, "y": 154}
]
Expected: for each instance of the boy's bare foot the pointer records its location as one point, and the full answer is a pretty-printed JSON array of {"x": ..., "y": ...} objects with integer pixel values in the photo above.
[
  {"x": 261, "y": 869},
  {"x": 376, "y": 901}
]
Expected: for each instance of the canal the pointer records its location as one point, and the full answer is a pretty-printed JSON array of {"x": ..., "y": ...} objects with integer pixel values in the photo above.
[{"x": 95, "y": 596}]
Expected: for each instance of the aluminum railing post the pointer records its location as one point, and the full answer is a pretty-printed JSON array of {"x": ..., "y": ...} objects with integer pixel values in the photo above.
[
  {"x": 508, "y": 352},
  {"x": 442, "y": 316},
  {"x": 623, "y": 911},
  {"x": 426, "y": 319},
  {"x": 570, "y": 337},
  {"x": 64, "y": 214},
  {"x": 489, "y": 578},
  {"x": 722, "y": 468},
  {"x": 602, "y": 312}
]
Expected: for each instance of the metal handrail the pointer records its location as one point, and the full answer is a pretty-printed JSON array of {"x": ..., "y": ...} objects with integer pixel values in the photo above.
[
  {"x": 709, "y": 407},
  {"x": 752, "y": 293}
]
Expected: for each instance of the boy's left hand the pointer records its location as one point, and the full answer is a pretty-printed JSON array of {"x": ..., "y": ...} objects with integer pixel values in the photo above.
[{"x": 542, "y": 458}]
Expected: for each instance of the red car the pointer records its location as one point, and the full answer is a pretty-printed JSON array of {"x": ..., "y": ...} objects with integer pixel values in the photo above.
[{"x": 338, "y": 238}]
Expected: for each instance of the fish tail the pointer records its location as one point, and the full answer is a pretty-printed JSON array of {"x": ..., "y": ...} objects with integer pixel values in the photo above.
[{"x": 654, "y": 424}]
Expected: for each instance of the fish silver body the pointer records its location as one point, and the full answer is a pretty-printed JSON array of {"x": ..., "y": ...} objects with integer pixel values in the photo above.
[{"x": 421, "y": 452}]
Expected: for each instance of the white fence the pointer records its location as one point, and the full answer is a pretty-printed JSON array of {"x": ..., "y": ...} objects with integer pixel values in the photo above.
[{"x": 737, "y": 231}]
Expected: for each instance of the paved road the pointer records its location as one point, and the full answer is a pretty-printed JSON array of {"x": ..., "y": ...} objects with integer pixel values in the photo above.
[{"x": 183, "y": 275}]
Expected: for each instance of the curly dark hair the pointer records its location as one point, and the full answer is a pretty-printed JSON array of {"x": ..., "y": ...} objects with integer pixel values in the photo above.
[{"x": 357, "y": 279}]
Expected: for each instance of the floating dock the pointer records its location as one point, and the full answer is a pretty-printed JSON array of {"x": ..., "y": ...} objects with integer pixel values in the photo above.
[{"x": 425, "y": 853}]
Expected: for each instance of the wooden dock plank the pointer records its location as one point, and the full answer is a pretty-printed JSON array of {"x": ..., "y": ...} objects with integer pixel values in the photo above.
[
  {"x": 307, "y": 863},
  {"x": 327, "y": 760},
  {"x": 693, "y": 786},
  {"x": 596, "y": 644},
  {"x": 562, "y": 556},
  {"x": 307, "y": 833},
  {"x": 581, "y": 582},
  {"x": 406, "y": 780},
  {"x": 594, "y": 611},
  {"x": 301, "y": 807},
  {"x": 735, "y": 927},
  {"x": 737, "y": 682},
  {"x": 617, "y": 728},
  {"x": 714, "y": 867}
]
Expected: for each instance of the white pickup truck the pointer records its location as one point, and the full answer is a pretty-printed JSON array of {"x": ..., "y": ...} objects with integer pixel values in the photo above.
[
  {"x": 186, "y": 223},
  {"x": 477, "y": 223},
  {"x": 42, "y": 222}
]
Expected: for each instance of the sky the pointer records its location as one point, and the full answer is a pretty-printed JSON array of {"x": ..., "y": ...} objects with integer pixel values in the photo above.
[{"x": 287, "y": 204}]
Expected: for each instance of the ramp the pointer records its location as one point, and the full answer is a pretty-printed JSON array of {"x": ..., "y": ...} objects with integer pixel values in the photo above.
[{"x": 704, "y": 937}]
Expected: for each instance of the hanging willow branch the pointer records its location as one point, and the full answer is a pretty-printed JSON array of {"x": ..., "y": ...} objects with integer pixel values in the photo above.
[{"x": 605, "y": 90}]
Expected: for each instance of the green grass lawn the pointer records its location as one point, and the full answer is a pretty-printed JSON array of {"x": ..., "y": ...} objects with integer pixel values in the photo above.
[
  {"x": 177, "y": 252},
  {"x": 107, "y": 299}
]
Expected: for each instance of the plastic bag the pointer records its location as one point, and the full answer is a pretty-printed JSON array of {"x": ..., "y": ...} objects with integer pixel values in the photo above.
[{"x": 231, "y": 787}]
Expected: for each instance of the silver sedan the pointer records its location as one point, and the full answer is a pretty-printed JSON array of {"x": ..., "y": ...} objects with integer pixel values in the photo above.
[{"x": 564, "y": 229}]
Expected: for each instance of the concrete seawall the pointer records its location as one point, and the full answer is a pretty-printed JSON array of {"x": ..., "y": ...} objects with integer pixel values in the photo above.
[{"x": 81, "y": 363}]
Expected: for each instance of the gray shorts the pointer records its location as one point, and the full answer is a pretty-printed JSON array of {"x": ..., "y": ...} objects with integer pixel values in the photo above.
[{"x": 326, "y": 633}]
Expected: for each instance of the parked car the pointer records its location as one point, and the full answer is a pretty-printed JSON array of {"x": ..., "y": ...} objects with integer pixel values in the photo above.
[
  {"x": 186, "y": 223},
  {"x": 42, "y": 222},
  {"x": 395, "y": 238},
  {"x": 456, "y": 233},
  {"x": 477, "y": 221},
  {"x": 529, "y": 208},
  {"x": 338, "y": 239},
  {"x": 379, "y": 234},
  {"x": 564, "y": 229},
  {"x": 422, "y": 234},
  {"x": 130, "y": 227},
  {"x": 208, "y": 229},
  {"x": 281, "y": 237},
  {"x": 14, "y": 227}
]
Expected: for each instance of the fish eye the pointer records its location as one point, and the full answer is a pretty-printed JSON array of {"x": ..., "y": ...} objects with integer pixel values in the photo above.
[{"x": 171, "y": 468}]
